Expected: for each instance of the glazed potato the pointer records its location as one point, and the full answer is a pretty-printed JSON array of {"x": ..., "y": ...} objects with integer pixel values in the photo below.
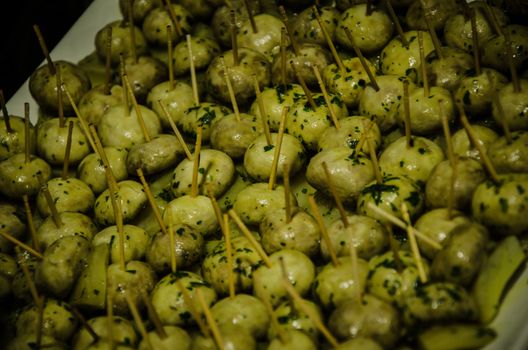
[
  {"x": 132, "y": 197},
  {"x": 359, "y": 343},
  {"x": 26, "y": 341},
  {"x": 91, "y": 170},
  {"x": 204, "y": 115},
  {"x": 351, "y": 131},
  {"x": 156, "y": 22},
  {"x": 196, "y": 212},
  {"x": 18, "y": 178},
  {"x": 510, "y": 157},
  {"x": 144, "y": 73},
  {"x": 168, "y": 301},
  {"x": 160, "y": 153},
  {"x": 11, "y": 222},
  {"x": 52, "y": 138},
  {"x": 176, "y": 99},
  {"x": 306, "y": 29},
  {"x": 123, "y": 332},
  {"x": 294, "y": 317},
  {"x": 295, "y": 340},
  {"x": 233, "y": 136},
  {"x": 95, "y": 102},
  {"x": 266, "y": 39},
  {"x": 463, "y": 147},
  {"x": 43, "y": 86},
  {"x": 203, "y": 50},
  {"x": 438, "y": 10},
  {"x": 220, "y": 22},
  {"x": 134, "y": 246},
  {"x": 14, "y": 142},
  {"x": 514, "y": 105},
  {"x": 447, "y": 72},
  {"x": 140, "y": 8},
  {"x": 399, "y": 60},
  {"x": 121, "y": 42},
  {"x": 69, "y": 194},
  {"x": 216, "y": 172},
  {"x": 494, "y": 53},
  {"x": 63, "y": 262},
  {"x": 73, "y": 224}
]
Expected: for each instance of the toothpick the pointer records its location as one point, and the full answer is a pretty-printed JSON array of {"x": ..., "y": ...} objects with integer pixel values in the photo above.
[
  {"x": 452, "y": 159},
  {"x": 60, "y": 104},
  {"x": 216, "y": 207},
  {"x": 176, "y": 131},
  {"x": 187, "y": 299},
  {"x": 210, "y": 320},
  {"x": 328, "y": 39},
  {"x": 18, "y": 243},
  {"x": 500, "y": 111},
  {"x": 287, "y": 193},
  {"x": 476, "y": 143},
  {"x": 139, "y": 116},
  {"x": 171, "y": 242},
  {"x": 295, "y": 45},
  {"x": 262, "y": 110},
  {"x": 362, "y": 59},
  {"x": 194, "y": 83},
  {"x": 31, "y": 284},
  {"x": 132, "y": 31},
  {"x": 137, "y": 319},
  {"x": 355, "y": 266},
  {"x": 283, "y": 56},
  {"x": 245, "y": 231},
  {"x": 432, "y": 32},
  {"x": 373, "y": 157},
  {"x": 407, "y": 113},
  {"x": 67, "y": 151},
  {"x": 44, "y": 48},
  {"x": 264, "y": 297},
  {"x": 234, "y": 44},
  {"x": 153, "y": 315},
  {"x": 170, "y": 55},
  {"x": 474, "y": 36},
  {"x": 5, "y": 113},
  {"x": 493, "y": 18},
  {"x": 108, "y": 61},
  {"x": 126, "y": 101},
  {"x": 251, "y": 18},
  {"x": 363, "y": 137},
  {"x": 174, "y": 18},
  {"x": 27, "y": 134},
  {"x": 509, "y": 56},
  {"x": 414, "y": 246},
  {"x": 152, "y": 201},
  {"x": 31, "y": 223},
  {"x": 326, "y": 97},
  {"x": 230, "y": 89},
  {"x": 84, "y": 323},
  {"x": 49, "y": 200},
  {"x": 324, "y": 232},
  {"x": 424, "y": 68},
  {"x": 396, "y": 22},
  {"x": 83, "y": 122},
  {"x": 305, "y": 88},
  {"x": 196, "y": 162},
  {"x": 229, "y": 252},
  {"x": 278, "y": 146},
  {"x": 335, "y": 195}
]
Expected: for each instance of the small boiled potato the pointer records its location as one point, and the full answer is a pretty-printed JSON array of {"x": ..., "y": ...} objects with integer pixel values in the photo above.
[
  {"x": 121, "y": 42},
  {"x": 227, "y": 200},
  {"x": 300, "y": 271},
  {"x": 160, "y": 153},
  {"x": 123, "y": 332},
  {"x": 437, "y": 225},
  {"x": 359, "y": 343},
  {"x": 351, "y": 131},
  {"x": 510, "y": 157},
  {"x": 18, "y": 177},
  {"x": 14, "y": 142},
  {"x": 243, "y": 310},
  {"x": 245, "y": 261},
  {"x": 370, "y": 31},
  {"x": 258, "y": 159},
  {"x": 266, "y": 39},
  {"x": 203, "y": 51},
  {"x": 196, "y": 212},
  {"x": 143, "y": 73},
  {"x": 91, "y": 169},
  {"x": 367, "y": 235},
  {"x": 120, "y": 127},
  {"x": 399, "y": 60},
  {"x": 462, "y": 145},
  {"x": 73, "y": 224},
  {"x": 335, "y": 284},
  {"x": 188, "y": 249},
  {"x": 382, "y": 106},
  {"x": 438, "y": 12},
  {"x": 349, "y": 172},
  {"x": 176, "y": 99},
  {"x": 177, "y": 339},
  {"x": 134, "y": 246},
  {"x": 147, "y": 220},
  {"x": 416, "y": 162},
  {"x": 52, "y": 139},
  {"x": 156, "y": 22},
  {"x": 19, "y": 283},
  {"x": 204, "y": 115},
  {"x": 168, "y": 301},
  {"x": 220, "y": 22},
  {"x": 58, "y": 320},
  {"x": 468, "y": 174},
  {"x": 274, "y": 99},
  {"x": 502, "y": 206},
  {"x": 234, "y": 337},
  {"x": 68, "y": 194},
  {"x": 373, "y": 318},
  {"x": 294, "y": 317},
  {"x": 462, "y": 256},
  {"x": 11, "y": 222},
  {"x": 27, "y": 342},
  {"x": 140, "y": 8},
  {"x": 43, "y": 86},
  {"x": 216, "y": 172},
  {"x": 306, "y": 28},
  {"x": 514, "y": 105},
  {"x": 254, "y": 201},
  {"x": 62, "y": 264},
  {"x": 233, "y": 135},
  {"x": 131, "y": 196},
  {"x": 95, "y": 102},
  {"x": 136, "y": 279},
  {"x": 494, "y": 52},
  {"x": 294, "y": 340},
  {"x": 447, "y": 72}
]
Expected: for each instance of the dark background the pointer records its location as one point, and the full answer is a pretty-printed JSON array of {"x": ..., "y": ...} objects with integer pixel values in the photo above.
[{"x": 20, "y": 52}]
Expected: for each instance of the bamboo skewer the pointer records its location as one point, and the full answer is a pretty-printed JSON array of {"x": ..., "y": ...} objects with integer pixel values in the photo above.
[
  {"x": 278, "y": 146},
  {"x": 49, "y": 200},
  {"x": 194, "y": 82},
  {"x": 210, "y": 320},
  {"x": 176, "y": 131},
  {"x": 20, "y": 244},
  {"x": 153, "y": 315},
  {"x": 362, "y": 59},
  {"x": 328, "y": 39},
  {"x": 67, "y": 151},
  {"x": 324, "y": 232},
  {"x": 27, "y": 134},
  {"x": 414, "y": 245},
  {"x": 407, "y": 113},
  {"x": 333, "y": 190},
  {"x": 31, "y": 223},
  {"x": 152, "y": 201},
  {"x": 424, "y": 67},
  {"x": 137, "y": 320},
  {"x": 196, "y": 162},
  {"x": 229, "y": 253},
  {"x": 139, "y": 115},
  {"x": 326, "y": 97},
  {"x": 171, "y": 242},
  {"x": 262, "y": 110}
]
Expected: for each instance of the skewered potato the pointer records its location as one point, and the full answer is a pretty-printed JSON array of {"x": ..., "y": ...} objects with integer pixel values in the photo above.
[
  {"x": 233, "y": 136},
  {"x": 160, "y": 153},
  {"x": 266, "y": 39},
  {"x": 510, "y": 157},
  {"x": 95, "y": 102},
  {"x": 351, "y": 131},
  {"x": 306, "y": 28},
  {"x": 293, "y": 317},
  {"x": 123, "y": 332},
  {"x": 176, "y": 99},
  {"x": 11, "y": 222},
  {"x": 14, "y": 142},
  {"x": 134, "y": 246},
  {"x": 156, "y": 21},
  {"x": 144, "y": 73},
  {"x": 462, "y": 145},
  {"x": 68, "y": 194},
  {"x": 18, "y": 177},
  {"x": 399, "y": 60},
  {"x": 72, "y": 224},
  {"x": 121, "y": 42},
  {"x": 132, "y": 197},
  {"x": 91, "y": 170},
  {"x": 196, "y": 212},
  {"x": 203, "y": 115}
]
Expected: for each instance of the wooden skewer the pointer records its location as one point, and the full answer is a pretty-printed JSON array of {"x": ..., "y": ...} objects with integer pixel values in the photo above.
[
  {"x": 5, "y": 113},
  {"x": 401, "y": 224},
  {"x": 305, "y": 88},
  {"x": 326, "y": 97},
  {"x": 153, "y": 315},
  {"x": 20, "y": 244},
  {"x": 216, "y": 207},
  {"x": 504, "y": 123},
  {"x": 264, "y": 297},
  {"x": 229, "y": 252},
  {"x": 328, "y": 39},
  {"x": 373, "y": 156},
  {"x": 493, "y": 18},
  {"x": 278, "y": 146},
  {"x": 49, "y": 200},
  {"x": 245, "y": 231},
  {"x": 137, "y": 320},
  {"x": 44, "y": 48},
  {"x": 27, "y": 134},
  {"x": 295, "y": 45},
  {"x": 194, "y": 82},
  {"x": 152, "y": 201},
  {"x": 355, "y": 266},
  {"x": 422, "y": 61},
  {"x": 509, "y": 56},
  {"x": 432, "y": 32},
  {"x": 174, "y": 18},
  {"x": 234, "y": 44},
  {"x": 452, "y": 159},
  {"x": 230, "y": 89},
  {"x": 31, "y": 284},
  {"x": 31, "y": 223},
  {"x": 83, "y": 122},
  {"x": 131, "y": 28},
  {"x": 407, "y": 113},
  {"x": 188, "y": 300},
  {"x": 217, "y": 336},
  {"x": 171, "y": 242},
  {"x": 262, "y": 110},
  {"x": 287, "y": 192},
  {"x": 283, "y": 58},
  {"x": 108, "y": 61},
  {"x": 139, "y": 116},
  {"x": 67, "y": 151},
  {"x": 324, "y": 232},
  {"x": 394, "y": 249},
  {"x": 170, "y": 55},
  {"x": 251, "y": 17},
  {"x": 84, "y": 323},
  {"x": 474, "y": 36},
  {"x": 176, "y": 131},
  {"x": 60, "y": 104},
  {"x": 333, "y": 190},
  {"x": 414, "y": 246},
  {"x": 396, "y": 21},
  {"x": 362, "y": 59},
  {"x": 125, "y": 89},
  {"x": 476, "y": 143},
  {"x": 196, "y": 162}
]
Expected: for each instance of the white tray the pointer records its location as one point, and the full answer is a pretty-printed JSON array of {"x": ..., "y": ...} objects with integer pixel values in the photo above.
[{"x": 512, "y": 322}]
